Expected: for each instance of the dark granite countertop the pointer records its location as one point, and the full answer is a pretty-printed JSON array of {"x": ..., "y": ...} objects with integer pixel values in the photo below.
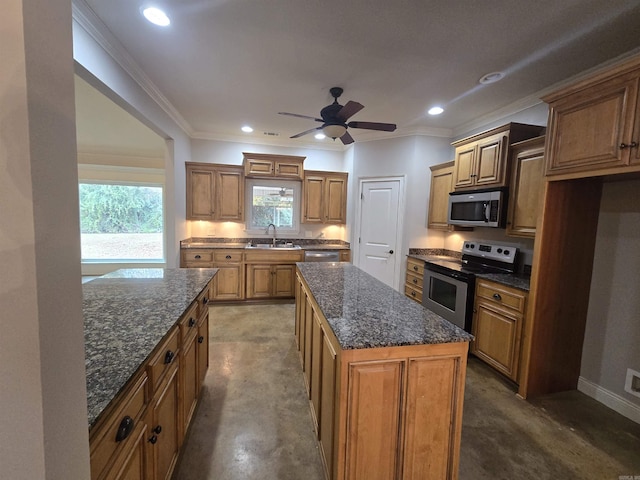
[
  {"x": 512, "y": 280},
  {"x": 126, "y": 314},
  {"x": 241, "y": 243},
  {"x": 363, "y": 312}
]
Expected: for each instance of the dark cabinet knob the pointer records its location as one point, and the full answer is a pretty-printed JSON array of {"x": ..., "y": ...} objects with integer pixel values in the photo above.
[
  {"x": 497, "y": 296},
  {"x": 391, "y": 252},
  {"x": 198, "y": 257},
  {"x": 415, "y": 267},
  {"x": 192, "y": 322},
  {"x": 415, "y": 280},
  {"x": 158, "y": 429},
  {"x": 200, "y": 339},
  {"x": 124, "y": 429},
  {"x": 168, "y": 357},
  {"x": 413, "y": 294},
  {"x": 153, "y": 439},
  {"x": 228, "y": 257}
]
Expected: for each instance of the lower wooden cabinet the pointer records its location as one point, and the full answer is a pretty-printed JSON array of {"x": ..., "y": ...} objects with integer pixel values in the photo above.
[
  {"x": 497, "y": 326},
  {"x": 228, "y": 284},
  {"x": 414, "y": 279},
  {"x": 140, "y": 435},
  {"x": 271, "y": 274},
  {"x": 381, "y": 413}
]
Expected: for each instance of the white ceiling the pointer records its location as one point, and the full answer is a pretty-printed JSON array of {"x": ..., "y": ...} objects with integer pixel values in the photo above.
[{"x": 225, "y": 63}]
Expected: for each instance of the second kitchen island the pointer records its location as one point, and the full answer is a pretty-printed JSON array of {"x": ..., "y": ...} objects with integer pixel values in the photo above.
[{"x": 385, "y": 377}]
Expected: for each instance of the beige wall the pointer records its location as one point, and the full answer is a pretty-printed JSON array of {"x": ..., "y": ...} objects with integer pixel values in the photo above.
[{"x": 43, "y": 414}]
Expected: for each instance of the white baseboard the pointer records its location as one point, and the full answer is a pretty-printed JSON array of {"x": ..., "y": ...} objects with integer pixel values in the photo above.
[{"x": 612, "y": 400}]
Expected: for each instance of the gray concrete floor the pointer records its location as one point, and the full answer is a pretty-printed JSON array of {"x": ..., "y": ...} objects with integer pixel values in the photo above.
[{"x": 253, "y": 421}]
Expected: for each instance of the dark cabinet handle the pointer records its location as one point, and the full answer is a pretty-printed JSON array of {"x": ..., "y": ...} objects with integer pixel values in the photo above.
[
  {"x": 415, "y": 280},
  {"x": 205, "y": 300},
  {"x": 158, "y": 429},
  {"x": 126, "y": 425},
  {"x": 391, "y": 252},
  {"x": 198, "y": 257},
  {"x": 413, "y": 294},
  {"x": 497, "y": 296},
  {"x": 192, "y": 322},
  {"x": 153, "y": 439},
  {"x": 200, "y": 339},
  {"x": 168, "y": 357},
  {"x": 415, "y": 267},
  {"x": 228, "y": 257},
  {"x": 630, "y": 145}
]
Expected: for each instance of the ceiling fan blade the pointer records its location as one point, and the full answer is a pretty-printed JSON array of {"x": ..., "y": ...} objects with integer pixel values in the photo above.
[
  {"x": 298, "y": 135},
  {"x": 346, "y": 138},
  {"x": 350, "y": 109},
  {"x": 301, "y": 116},
  {"x": 385, "y": 127}
]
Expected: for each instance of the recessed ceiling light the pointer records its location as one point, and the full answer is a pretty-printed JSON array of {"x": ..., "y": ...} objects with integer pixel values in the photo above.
[
  {"x": 156, "y": 16},
  {"x": 247, "y": 129},
  {"x": 320, "y": 136},
  {"x": 492, "y": 77},
  {"x": 435, "y": 110}
]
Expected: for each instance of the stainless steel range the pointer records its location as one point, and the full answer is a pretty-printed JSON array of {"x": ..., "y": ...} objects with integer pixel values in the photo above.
[{"x": 449, "y": 284}]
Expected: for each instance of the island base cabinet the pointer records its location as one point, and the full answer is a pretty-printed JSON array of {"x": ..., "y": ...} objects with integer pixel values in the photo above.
[
  {"x": 164, "y": 436},
  {"x": 134, "y": 461}
]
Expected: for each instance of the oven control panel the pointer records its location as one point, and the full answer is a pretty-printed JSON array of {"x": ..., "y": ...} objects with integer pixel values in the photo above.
[{"x": 502, "y": 253}]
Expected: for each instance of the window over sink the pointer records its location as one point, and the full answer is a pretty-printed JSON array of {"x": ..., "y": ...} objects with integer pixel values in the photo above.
[{"x": 272, "y": 201}]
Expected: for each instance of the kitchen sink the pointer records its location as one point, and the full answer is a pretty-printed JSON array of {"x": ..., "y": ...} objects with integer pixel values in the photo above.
[{"x": 278, "y": 246}]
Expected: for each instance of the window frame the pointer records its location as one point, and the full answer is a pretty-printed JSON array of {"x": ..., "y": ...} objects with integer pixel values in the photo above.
[{"x": 295, "y": 185}]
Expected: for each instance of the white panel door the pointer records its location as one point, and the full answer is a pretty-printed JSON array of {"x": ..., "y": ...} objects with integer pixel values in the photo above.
[{"x": 379, "y": 229}]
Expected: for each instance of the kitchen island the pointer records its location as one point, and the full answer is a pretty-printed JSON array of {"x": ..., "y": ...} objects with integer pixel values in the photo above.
[
  {"x": 145, "y": 356},
  {"x": 385, "y": 376}
]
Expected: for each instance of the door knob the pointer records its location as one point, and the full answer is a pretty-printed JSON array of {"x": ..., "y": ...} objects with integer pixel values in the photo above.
[{"x": 390, "y": 251}]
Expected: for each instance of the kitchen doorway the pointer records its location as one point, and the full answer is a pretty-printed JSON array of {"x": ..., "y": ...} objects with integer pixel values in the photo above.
[{"x": 380, "y": 214}]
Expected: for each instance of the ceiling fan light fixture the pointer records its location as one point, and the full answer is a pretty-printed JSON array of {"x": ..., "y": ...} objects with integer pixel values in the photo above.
[
  {"x": 320, "y": 136},
  {"x": 334, "y": 131},
  {"x": 156, "y": 16}
]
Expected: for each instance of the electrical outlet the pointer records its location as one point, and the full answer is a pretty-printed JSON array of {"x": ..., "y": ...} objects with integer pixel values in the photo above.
[{"x": 632, "y": 384}]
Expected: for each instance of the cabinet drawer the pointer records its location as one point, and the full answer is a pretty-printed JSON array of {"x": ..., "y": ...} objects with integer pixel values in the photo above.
[
  {"x": 162, "y": 361},
  {"x": 189, "y": 323},
  {"x": 203, "y": 300},
  {"x": 106, "y": 442},
  {"x": 415, "y": 266},
  {"x": 416, "y": 281},
  {"x": 197, "y": 256},
  {"x": 414, "y": 293},
  {"x": 502, "y": 295},
  {"x": 227, "y": 256}
]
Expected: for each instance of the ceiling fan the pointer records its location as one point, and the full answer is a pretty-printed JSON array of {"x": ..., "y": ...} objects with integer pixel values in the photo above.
[
  {"x": 283, "y": 192},
  {"x": 334, "y": 119}
]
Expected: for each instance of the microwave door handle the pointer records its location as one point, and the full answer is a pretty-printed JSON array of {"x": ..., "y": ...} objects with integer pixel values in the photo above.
[{"x": 487, "y": 211}]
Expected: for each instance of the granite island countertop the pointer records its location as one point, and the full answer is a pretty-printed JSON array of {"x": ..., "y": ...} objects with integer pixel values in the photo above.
[
  {"x": 363, "y": 312},
  {"x": 126, "y": 314}
]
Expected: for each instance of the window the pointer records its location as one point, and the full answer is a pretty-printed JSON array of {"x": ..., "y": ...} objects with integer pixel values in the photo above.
[
  {"x": 121, "y": 222},
  {"x": 273, "y": 201}
]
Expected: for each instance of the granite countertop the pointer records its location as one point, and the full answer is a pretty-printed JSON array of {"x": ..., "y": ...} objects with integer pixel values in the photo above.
[
  {"x": 363, "y": 312},
  {"x": 126, "y": 314},
  {"x": 241, "y": 243}
]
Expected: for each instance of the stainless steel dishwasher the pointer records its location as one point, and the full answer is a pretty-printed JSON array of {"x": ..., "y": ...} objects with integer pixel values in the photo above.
[{"x": 321, "y": 255}]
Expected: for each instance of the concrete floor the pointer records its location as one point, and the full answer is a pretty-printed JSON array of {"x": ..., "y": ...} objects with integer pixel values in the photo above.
[{"x": 253, "y": 421}]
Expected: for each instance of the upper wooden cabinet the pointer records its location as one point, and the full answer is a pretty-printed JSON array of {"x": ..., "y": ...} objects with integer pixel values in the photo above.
[
  {"x": 483, "y": 160},
  {"x": 324, "y": 197},
  {"x": 594, "y": 125},
  {"x": 273, "y": 166},
  {"x": 215, "y": 192},
  {"x": 525, "y": 193},
  {"x": 441, "y": 186}
]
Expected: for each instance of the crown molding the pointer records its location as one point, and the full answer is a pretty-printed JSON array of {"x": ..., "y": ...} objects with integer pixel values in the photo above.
[
  {"x": 272, "y": 141},
  {"x": 91, "y": 23}
]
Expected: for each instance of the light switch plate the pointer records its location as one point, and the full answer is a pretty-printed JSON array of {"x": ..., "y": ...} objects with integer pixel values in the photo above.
[{"x": 632, "y": 384}]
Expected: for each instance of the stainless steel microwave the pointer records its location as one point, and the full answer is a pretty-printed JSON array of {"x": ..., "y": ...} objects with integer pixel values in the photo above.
[{"x": 483, "y": 208}]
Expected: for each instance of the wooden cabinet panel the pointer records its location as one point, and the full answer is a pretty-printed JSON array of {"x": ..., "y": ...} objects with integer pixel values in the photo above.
[
  {"x": 163, "y": 360},
  {"x": 312, "y": 199},
  {"x": 255, "y": 167},
  {"x": 502, "y": 295},
  {"x": 327, "y": 402},
  {"x": 316, "y": 369},
  {"x": 373, "y": 414},
  {"x": 283, "y": 278},
  {"x": 273, "y": 166},
  {"x": 441, "y": 186},
  {"x": 165, "y": 427},
  {"x": 345, "y": 255},
  {"x": 324, "y": 197},
  {"x": 200, "y": 193},
  {"x": 194, "y": 258},
  {"x": 285, "y": 169},
  {"x": 228, "y": 282},
  {"x": 271, "y": 274},
  {"x": 433, "y": 386},
  {"x": 489, "y": 160},
  {"x": 133, "y": 463},
  {"x": 464, "y": 166},
  {"x": 259, "y": 281},
  {"x": 525, "y": 194},
  {"x": 336, "y": 199},
  {"x": 203, "y": 350},
  {"x": 414, "y": 279},
  {"x": 496, "y": 339},
  {"x": 189, "y": 379},
  {"x": 229, "y": 195}
]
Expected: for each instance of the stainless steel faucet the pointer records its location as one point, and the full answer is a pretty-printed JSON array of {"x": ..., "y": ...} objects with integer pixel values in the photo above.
[{"x": 274, "y": 232}]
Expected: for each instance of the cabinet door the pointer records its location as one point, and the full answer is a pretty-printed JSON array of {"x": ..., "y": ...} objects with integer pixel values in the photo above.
[
  {"x": 259, "y": 281},
  {"x": 283, "y": 280},
  {"x": 200, "y": 191},
  {"x": 464, "y": 165},
  {"x": 335, "y": 201},
  {"x": 497, "y": 338},
  {"x": 431, "y": 426},
  {"x": 490, "y": 161},
  {"x": 227, "y": 284},
  {"x": 164, "y": 434},
  {"x": 133, "y": 463},
  {"x": 327, "y": 403},
  {"x": 312, "y": 195},
  {"x": 258, "y": 167},
  {"x": 229, "y": 195},
  {"x": 189, "y": 380},
  {"x": 308, "y": 338},
  {"x": 288, "y": 169},
  {"x": 203, "y": 350},
  {"x": 316, "y": 369},
  {"x": 586, "y": 129},
  {"x": 373, "y": 419},
  {"x": 526, "y": 191},
  {"x": 441, "y": 186}
]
